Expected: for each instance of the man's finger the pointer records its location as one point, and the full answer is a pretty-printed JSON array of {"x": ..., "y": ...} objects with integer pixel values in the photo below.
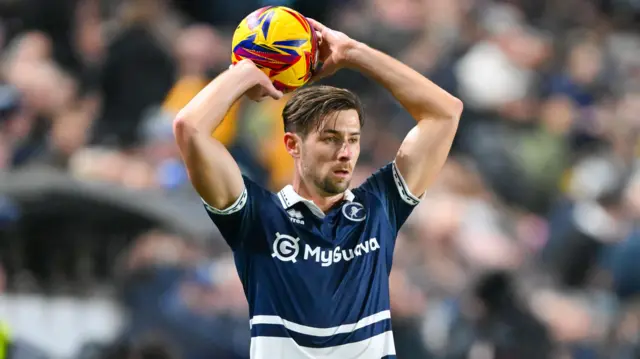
[
  {"x": 315, "y": 78},
  {"x": 274, "y": 93},
  {"x": 316, "y": 25},
  {"x": 319, "y": 37},
  {"x": 319, "y": 75}
]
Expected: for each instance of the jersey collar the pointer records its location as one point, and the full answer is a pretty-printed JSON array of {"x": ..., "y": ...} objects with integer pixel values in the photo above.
[{"x": 288, "y": 197}]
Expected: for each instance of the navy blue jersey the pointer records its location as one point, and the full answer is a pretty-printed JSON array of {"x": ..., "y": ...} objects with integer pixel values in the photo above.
[{"x": 318, "y": 283}]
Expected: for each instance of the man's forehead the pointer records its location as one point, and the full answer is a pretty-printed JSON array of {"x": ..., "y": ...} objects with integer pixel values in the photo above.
[{"x": 341, "y": 122}]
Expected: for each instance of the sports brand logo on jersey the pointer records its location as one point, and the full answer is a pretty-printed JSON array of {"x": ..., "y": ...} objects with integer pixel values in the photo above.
[
  {"x": 354, "y": 211},
  {"x": 295, "y": 216},
  {"x": 287, "y": 249}
]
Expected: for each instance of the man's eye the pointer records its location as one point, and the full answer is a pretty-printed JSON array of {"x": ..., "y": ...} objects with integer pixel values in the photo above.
[{"x": 354, "y": 140}]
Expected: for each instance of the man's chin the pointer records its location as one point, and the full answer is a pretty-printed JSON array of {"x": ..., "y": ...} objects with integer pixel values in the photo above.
[{"x": 338, "y": 187}]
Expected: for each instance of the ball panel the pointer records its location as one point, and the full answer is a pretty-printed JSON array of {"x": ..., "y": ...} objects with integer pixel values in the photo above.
[
  {"x": 255, "y": 18},
  {"x": 301, "y": 19}
]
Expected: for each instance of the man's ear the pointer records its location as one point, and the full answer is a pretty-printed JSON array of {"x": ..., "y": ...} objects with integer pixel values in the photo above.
[{"x": 292, "y": 142}]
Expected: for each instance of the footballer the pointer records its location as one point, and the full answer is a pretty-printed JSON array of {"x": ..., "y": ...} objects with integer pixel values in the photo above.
[{"x": 314, "y": 259}]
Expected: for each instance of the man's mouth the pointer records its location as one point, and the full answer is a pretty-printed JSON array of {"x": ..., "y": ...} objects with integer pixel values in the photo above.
[{"x": 341, "y": 173}]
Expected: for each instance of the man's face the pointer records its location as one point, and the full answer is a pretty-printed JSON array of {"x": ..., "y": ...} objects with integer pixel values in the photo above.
[{"x": 328, "y": 156}]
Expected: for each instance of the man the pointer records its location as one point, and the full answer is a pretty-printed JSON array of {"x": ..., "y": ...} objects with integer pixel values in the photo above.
[{"x": 315, "y": 258}]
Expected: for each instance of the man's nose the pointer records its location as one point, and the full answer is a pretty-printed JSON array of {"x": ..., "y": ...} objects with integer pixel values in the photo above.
[{"x": 345, "y": 153}]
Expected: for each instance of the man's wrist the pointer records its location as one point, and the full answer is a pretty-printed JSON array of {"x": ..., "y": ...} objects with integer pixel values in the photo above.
[
  {"x": 353, "y": 53},
  {"x": 243, "y": 77},
  {"x": 245, "y": 74}
]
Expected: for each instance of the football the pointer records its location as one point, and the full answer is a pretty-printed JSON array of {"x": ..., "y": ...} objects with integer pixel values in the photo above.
[{"x": 281, "y": 42}]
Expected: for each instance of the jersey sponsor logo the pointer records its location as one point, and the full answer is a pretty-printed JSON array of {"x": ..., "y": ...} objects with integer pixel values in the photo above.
[
  {"x": 287, "y": 249},
  {"x": 295, "y": 216},
  {"x": 354, "y": 211},
  {"x": 328, "y": 257}
]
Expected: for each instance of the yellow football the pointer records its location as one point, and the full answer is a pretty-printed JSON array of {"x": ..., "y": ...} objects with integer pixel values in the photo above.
[{"x": 281, "y": 42}]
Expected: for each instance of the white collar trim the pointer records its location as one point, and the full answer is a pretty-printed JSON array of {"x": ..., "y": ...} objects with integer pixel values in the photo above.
[{"x": 289, "y": 197}]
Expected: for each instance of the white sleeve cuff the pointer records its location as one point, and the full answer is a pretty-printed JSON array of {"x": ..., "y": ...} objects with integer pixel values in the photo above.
[
  {"x": 235, "y": 207},
  {"x": 401, "y": 185}
]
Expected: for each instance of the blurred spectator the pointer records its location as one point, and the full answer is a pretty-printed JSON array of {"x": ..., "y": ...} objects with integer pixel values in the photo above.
[
  {"x": 496, "y": 322},
  {"x": 137, "y": 72},
  {"x": 526, "y": 246},
  {"x": 199, "y": 52}
]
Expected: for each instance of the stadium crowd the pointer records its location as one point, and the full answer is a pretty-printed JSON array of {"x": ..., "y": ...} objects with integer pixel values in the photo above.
[{"x": 526, "y": 247}]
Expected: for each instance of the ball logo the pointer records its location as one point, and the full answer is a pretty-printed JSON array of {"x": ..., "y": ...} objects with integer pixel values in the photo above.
[
  {"x": 285, "y": 248},
  {"x": 354, "y": 211}
]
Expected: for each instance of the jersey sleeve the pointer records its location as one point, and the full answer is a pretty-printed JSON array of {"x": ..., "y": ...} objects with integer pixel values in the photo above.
[
  {"x": 235, "y": 222},
  {"x": 390, "y": 188}
]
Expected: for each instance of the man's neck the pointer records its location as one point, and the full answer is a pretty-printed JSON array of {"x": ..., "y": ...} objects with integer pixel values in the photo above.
[{"x": 323, "y": 202}]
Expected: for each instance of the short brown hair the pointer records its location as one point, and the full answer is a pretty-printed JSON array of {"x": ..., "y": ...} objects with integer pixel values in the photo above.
[{"x": 309, "y": 106}]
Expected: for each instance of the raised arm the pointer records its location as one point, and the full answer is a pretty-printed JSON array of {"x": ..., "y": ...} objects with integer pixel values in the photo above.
[
  {"x": 426, "y": 147},
  {"x": 212, "y": 171}
]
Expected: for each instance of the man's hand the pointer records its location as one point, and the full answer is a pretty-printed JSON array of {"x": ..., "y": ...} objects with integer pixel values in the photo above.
[
  {"x": 264, "y": 87},
  {"x": 426, "y": 147},
  {"x": 334, "y": 49}
]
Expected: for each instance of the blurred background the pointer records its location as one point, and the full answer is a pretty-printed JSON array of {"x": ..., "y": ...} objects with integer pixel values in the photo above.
[{"x": 527, "y": 247}]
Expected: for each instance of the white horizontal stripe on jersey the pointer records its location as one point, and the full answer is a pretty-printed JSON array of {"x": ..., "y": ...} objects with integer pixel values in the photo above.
[
  {"x": 321, "y": 332},
  {"x": 375, "y": 347}
]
